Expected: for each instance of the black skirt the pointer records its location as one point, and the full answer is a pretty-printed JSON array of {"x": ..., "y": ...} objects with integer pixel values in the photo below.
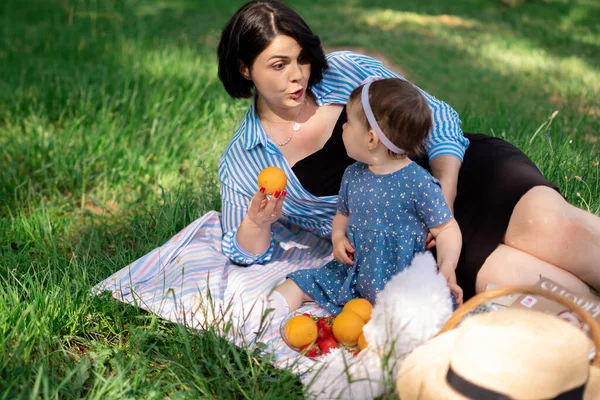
[{"x": 493, "y": 178}]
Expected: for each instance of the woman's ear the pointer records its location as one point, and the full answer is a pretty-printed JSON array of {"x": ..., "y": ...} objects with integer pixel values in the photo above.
[
  {"x": 245, "y": 71},
  {"x": 373, "y": 140}
]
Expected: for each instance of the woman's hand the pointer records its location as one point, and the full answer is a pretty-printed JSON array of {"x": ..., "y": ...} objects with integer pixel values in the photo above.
[
  {"x": 254, "y": 233},
  {"x": 343, "y": 251},
  {"x": 263, "y": 211}
]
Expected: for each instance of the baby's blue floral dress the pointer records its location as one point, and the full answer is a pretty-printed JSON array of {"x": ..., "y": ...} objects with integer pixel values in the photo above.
[{"x": 390, "y": 216}]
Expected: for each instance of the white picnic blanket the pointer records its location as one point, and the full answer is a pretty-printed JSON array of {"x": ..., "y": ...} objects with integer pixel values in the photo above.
[{"x": 189, "y": 281}]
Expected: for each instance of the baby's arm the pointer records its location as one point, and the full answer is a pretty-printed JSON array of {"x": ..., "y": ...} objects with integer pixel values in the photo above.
[
  {"x": 449, "y": 242},
  {"x": 342, "y": 248}
]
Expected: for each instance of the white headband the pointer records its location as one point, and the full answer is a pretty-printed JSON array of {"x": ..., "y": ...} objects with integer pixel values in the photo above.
[{"x": 371, "y": 118}]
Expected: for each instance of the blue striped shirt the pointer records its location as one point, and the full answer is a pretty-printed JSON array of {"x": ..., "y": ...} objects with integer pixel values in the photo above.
[{"x": 251, "y": 150}]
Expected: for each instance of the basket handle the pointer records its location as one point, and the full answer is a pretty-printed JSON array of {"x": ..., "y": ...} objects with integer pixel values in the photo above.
[{"x": 483, "y": 297}]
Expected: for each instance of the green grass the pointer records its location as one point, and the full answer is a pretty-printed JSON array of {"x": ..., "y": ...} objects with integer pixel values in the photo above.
[{"x": 112, "y": 120}]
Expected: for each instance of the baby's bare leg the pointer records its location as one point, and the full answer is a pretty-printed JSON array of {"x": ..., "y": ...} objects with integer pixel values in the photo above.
[
  {"x": 283, "y": 299},
  {"x": 293, "y": 295}
]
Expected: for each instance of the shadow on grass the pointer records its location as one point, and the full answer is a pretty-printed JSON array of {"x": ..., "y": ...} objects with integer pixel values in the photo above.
[
  {"x": 102, "y": 94},
  {"x": 561, "y": 28}
]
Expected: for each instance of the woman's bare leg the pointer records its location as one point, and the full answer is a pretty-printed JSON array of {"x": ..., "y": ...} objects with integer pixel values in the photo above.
[
  {"x": 509, "y": 266},
  {"x": 550, "y": 229}
]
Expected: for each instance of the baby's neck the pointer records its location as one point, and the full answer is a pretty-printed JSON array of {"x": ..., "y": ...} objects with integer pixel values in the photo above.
[{"x": 388, "y": 165}]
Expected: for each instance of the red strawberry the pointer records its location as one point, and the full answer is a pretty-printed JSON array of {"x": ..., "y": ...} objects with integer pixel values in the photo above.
[
  {"x": 325, "y": 333},
  {"x": 310, "y": 350},
  {"x": 327, "y": 344},
  {"x": 313, "y": 352},
  {"x": 324, "y": 324},
  {"x": 322, "y": 334},
  {"x": 307, "y": 314}
]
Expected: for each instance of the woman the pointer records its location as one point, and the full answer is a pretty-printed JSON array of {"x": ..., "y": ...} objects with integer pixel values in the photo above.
[{"x": 515, "y": 224}]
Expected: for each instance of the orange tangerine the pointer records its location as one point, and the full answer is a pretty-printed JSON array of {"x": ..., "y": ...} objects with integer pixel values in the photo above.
[
  {"x": 301, "y": 330},
  {"x": 362, "y": 307},
  {"x": 273, "y": 179},
  {"x": 362, "y": 342},
  {"x": 347, "y": 327}
]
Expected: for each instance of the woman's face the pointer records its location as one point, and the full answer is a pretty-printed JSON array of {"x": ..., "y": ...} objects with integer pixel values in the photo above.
[{"x": 280, "y": 73}]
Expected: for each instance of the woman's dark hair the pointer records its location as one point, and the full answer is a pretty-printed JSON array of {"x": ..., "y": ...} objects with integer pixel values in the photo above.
[
  {"x": 400, "y": 110},
  {"x": 251, "y": 30}
]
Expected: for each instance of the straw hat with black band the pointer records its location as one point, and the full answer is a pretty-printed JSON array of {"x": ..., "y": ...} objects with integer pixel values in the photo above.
[{"x": 509, "y": 354}]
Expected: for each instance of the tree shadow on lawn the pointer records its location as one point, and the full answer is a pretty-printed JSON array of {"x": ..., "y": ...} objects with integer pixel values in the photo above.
[
  {"x": 562, "y": 28},
  {"x": 111, "y": 96}
]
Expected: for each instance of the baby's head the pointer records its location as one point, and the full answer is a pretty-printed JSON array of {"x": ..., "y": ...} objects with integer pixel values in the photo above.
[{"x": 400, "y": 110}]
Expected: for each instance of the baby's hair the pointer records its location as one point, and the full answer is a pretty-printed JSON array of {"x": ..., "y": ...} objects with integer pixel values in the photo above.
[{"x": 400, "y": 110}]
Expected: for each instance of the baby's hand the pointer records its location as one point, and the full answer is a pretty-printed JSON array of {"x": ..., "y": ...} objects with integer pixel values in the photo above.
[
  {"x": 456, "y": 290},
  {"x": 343, "y": 251}
]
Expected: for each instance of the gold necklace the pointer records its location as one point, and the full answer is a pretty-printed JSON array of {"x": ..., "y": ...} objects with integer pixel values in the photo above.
[{"x": 295, "y": 128}]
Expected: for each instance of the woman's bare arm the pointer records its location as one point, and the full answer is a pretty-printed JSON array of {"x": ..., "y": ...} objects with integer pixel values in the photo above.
[{"x": 446, "y": 168}]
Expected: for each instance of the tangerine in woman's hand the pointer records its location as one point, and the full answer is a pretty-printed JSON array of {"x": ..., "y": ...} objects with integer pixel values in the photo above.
[{"x": 273, "y": 179}]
